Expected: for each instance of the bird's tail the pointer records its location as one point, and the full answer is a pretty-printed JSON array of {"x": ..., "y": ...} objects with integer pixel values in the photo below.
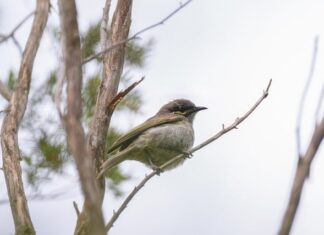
[{"x": 113, "y": 161}]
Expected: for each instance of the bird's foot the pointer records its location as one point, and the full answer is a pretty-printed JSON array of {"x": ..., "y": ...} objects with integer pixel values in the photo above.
[
  {"x": 158, "y": 170},
  {"x": 187, "y": 154}
]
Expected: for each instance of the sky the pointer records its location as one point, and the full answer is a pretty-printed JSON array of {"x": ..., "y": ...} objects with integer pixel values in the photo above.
[{"x": 219, "y": 54}]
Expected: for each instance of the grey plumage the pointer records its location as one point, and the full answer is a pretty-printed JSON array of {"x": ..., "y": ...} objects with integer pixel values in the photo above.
[{"x": 159, "y": 139}]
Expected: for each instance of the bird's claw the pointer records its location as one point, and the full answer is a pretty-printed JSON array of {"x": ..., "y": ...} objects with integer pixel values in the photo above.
[
  {"x": 187, "y": 154},
  {"x": 158, "y": 170}
]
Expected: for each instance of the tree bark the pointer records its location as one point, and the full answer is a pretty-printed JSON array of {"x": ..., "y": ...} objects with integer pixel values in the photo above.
[
  {"x": 72, "y": 119},
  {"x": 112, "y": 70},
  {"x": 11, "y": 122}
]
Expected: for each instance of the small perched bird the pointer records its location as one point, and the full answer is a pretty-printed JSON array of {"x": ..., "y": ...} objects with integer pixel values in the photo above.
[{"x": 160, "y": 138}]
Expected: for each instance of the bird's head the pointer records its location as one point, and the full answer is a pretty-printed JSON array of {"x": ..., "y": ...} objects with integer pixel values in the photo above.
[{"x": 181, "y": 107}]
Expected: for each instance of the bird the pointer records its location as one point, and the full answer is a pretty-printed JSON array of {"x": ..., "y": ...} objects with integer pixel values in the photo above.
[{"x": 160, "y": 138}]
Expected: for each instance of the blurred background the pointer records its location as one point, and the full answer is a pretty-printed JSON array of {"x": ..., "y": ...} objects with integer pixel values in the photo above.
[{"x": 219, "y": 54}]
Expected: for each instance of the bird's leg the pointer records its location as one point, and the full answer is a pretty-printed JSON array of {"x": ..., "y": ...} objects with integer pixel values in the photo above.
[
  {"x": 152, "y": 165},
  {"x": 155, "y": 168}
]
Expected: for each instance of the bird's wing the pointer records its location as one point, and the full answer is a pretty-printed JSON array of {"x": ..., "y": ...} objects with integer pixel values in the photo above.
[{"x": 130, "y": 136}]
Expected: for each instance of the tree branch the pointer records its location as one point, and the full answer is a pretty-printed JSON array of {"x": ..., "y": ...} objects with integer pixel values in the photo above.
[
  {"x": 112, "y": 70},
  {"x": 304, "y": 160},
  {"x": 71, "y": 120},
  {"x": 170, "y": 162},
  {"x": 303, "y": 97},
  {"x": 11, "y": 122},
  {"x": 4, "y": 38},
  {"x": 135, "y": 36},
  {"x": 76, "y": 208},
  {"x": 301, "y": 175}
]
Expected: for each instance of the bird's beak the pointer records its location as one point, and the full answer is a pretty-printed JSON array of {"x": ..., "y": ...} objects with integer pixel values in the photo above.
[{"x": 199, "y": 108}]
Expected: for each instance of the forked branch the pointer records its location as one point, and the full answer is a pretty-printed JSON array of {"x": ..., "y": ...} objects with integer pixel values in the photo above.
[
  {"x": 4, "y": 38},
  {"x": 304, "y": 159}
]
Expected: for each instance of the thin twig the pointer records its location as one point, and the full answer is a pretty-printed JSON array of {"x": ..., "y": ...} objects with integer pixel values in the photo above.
[
  {"x": 303, "y": 97},
  {"x": 135, "y": 36},
  {"x": 15, "y": 41},
  {"x": 180, "y": 156},
  {"x": 4, "y": 38},
  {"x": 76, "y": 208},
  {"x": 116, "y": 100},
  {"x": 319, "y": 105}
]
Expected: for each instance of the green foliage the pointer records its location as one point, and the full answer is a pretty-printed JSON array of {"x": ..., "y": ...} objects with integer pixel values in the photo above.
[
  {"x": 90, "y": 40},
  {"x": 116, "y": 177},
  {"x": 51, "y": 152},
  {"x": 136, "y": 54},
  {"x": 89, "y": 96},
  {"x": 11, "y": 81},
  {"x": 49, "y": 155}
]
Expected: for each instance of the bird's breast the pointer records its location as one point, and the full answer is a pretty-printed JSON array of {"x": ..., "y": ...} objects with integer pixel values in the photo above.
[
  {"x": 175, "y": 136},
  {"x": 159, "y": 144}
]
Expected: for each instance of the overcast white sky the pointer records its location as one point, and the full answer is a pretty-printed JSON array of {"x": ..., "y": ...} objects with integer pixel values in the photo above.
[{"x": 219, "y": 54}]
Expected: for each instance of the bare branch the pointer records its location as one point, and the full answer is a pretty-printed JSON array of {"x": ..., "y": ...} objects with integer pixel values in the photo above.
[
  {"x": 35, "y": 197},
  {"x": 11, "y": 122},
  {"x": 301, "y": 175},
  {"x": 116, "y": 100},
  {"x": 4, "y": 38},
  {"x": 302, "y": 99},
  {"x": 104, "y": 25},
  {"x": 72, "y": 119},
  {"x": 319, "y": 104},
  {"x": 223, "y": 131},
  {"x": 304, "y": 160},
  {"x": 5, "y": 91},
  {"x": 135, "y": 36},
  {"x": 15, "y": 41},
  {"x": 76, "y": 208}
]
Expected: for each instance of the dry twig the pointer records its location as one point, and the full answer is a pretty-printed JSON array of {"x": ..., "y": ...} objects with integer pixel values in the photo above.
[
  {"x": 203, "y": 144},
  {"x": 135, "y": 36},
  {"x": 303, "y": 97},
  {"x": 319, "y": 104},
  {"x": 116, "y": 100},
  {"x": 76, "y": 208}
]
